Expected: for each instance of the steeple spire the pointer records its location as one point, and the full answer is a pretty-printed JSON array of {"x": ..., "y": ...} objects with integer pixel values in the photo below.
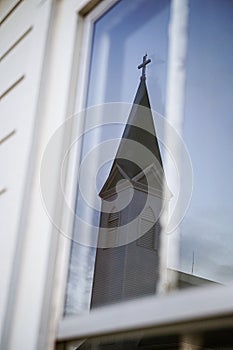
[
  {"x": 139, "y": 128},
  {"x": 143, "y": 66},
  {"x": 130, "y": 222}
]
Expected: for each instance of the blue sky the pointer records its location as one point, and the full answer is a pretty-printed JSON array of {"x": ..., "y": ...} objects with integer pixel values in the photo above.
[{"x": 208, "y": 133}]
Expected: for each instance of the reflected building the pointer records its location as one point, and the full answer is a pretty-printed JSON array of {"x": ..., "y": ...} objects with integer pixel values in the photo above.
[{"x": 133, "y": 199}]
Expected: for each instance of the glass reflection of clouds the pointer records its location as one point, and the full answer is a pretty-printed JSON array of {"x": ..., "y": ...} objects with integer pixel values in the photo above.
[
  {"x": 208, "y": 130},
  {"x": 120, "y": 39}
]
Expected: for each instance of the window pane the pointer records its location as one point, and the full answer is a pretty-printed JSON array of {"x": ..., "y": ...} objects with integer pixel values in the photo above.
[
  {"x": 120, "y": 39},
  {"x": 207, "y": 234}
]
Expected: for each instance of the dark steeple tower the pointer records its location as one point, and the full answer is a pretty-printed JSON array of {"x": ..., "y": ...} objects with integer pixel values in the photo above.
[
  {"x": 139, "y": 128},
  {"x": 128, "y": 267}
]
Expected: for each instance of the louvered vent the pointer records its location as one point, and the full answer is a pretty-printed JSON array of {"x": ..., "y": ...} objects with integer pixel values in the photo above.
[
  {"x": 113, "y": 220},
  {"x": 150, "y": 239},
  {"x": 148, "y": 215}
]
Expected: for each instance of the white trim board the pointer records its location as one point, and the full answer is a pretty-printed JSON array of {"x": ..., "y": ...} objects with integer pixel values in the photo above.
[{"x": 179, "y": 310}]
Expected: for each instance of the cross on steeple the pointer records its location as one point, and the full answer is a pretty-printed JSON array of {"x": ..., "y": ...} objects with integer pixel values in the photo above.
[{"x": 143, "y": 66}]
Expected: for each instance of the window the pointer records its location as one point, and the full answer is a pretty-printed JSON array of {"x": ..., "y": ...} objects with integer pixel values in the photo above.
[
  {"x": 121, "y": 36},
  {"x": 182, "y": 319}
]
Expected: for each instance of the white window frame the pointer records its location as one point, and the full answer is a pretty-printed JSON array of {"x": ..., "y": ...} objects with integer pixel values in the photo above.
[
  {"x": 166, "y": 312},
  {"x": 195, "y": 309}
]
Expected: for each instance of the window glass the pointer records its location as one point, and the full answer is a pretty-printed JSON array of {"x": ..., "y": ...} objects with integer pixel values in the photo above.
[
  {"x": 121, "y": 38},
  {"x": 206, "y": 233}
]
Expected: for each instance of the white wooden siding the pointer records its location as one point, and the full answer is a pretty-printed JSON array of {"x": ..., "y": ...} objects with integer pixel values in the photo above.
[{"x": 21, "y": 55}]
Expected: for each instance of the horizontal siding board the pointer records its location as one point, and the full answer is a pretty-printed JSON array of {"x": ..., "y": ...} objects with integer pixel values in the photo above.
[
  {"x": 12, "y": 110},
  {"x": 11, "y": 87},
  {"x": 7, "y": 136},
  {"x": 16, "y": 43},
  {"x": 13, "y": 159},
  {"x": 24, "y": 58},
  {"x": 16, "y": 25},
  {"x": 9, "y": 71},
  {"x": 10, "y": 202},
  {"x": 7, "y": 7},
  {"x": 14, "y": 152},
  {"x": 3, "y": 190}
]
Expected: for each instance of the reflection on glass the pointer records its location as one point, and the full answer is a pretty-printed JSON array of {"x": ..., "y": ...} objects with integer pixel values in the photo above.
[
  {"x": 121, "y": 37},
  {"x": 207, "y": 233}
]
